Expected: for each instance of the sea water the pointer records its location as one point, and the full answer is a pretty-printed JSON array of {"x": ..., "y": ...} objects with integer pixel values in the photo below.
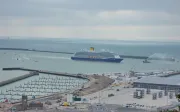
[{"x": 63, "y": 63}]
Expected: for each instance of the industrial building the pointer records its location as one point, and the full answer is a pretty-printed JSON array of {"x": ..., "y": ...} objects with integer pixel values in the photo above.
[{"x": 161, "y": 83}]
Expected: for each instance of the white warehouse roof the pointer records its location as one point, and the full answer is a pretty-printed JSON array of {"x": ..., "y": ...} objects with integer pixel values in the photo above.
[{"x": 173, "y": 80}]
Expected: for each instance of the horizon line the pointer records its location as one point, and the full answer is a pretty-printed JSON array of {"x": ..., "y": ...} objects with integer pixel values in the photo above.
[{"x": 78, "y": 38}]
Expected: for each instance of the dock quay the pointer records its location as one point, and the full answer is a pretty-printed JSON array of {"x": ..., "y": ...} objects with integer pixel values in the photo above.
[
  {"x": 82, "y": 76},
  {"x": 96, "y": 83},
  {"x": 3, "y": 83},
  {"x": 171, "y": 74}
]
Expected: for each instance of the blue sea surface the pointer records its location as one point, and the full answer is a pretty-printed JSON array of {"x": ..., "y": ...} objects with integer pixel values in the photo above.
[
  {"x": 63, "y": 63},
  {"x": 121, "y": 47}
]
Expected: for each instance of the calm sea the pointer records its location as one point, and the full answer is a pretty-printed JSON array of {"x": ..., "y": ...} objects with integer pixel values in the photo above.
[{"x": 63, "y": 63}]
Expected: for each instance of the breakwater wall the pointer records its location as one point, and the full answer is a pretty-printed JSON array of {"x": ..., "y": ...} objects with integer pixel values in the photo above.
[
  {"x": 171, "y": 74},
  {"x": 133, "y": 57},
  {"x": 21, "y": 49},
  {"x": 82, "y": 76},
  {"x": 3, "y": 83}
]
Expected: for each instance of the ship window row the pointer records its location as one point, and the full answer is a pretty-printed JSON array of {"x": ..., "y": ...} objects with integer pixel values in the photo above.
[{"x": 101, "y": 55}]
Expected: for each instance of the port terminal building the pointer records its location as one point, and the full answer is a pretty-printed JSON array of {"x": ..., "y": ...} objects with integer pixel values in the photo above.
[{"x": 161, "y": 83}]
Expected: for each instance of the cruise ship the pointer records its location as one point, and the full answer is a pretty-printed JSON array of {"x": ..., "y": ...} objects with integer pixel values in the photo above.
[{"x": 96, "y": 56}]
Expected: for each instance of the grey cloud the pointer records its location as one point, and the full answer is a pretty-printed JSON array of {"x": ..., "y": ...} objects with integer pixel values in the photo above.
[
  {"x": 84, "y": 12},
  {"x": 163, "y": 5},
  {"x": 44, "y": 7},
  {"x": 78, "y": 18},
  {"x": 21, "y": 8}
]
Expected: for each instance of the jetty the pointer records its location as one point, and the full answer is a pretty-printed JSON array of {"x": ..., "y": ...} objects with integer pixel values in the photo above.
[
  {"x": 82, "y": 76},
  {"x": 3, "y": 83},
  {"x": 35, "y": 50},
  {"x": 171, "y": 74}
]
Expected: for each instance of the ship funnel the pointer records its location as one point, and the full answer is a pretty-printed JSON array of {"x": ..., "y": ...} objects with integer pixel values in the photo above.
[{"x": 91, "y": 48}]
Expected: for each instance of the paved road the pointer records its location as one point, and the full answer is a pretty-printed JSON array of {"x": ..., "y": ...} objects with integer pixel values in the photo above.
[
  {"x": 95, "y": 108},
  {"x": 99, "y": 108},
  {"x": 112, "y": 108}
]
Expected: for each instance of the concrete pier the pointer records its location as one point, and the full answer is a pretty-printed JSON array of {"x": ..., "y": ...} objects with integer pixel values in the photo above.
[
  {"x": 21, "y": 49},
  {"x": 171, "y": 74},
  {"x": 3, "y": 83},
  {"x": 82, "y": 76}
]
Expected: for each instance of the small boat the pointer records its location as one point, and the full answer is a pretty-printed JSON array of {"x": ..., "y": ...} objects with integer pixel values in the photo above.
[{"x": 146, "y": 61}]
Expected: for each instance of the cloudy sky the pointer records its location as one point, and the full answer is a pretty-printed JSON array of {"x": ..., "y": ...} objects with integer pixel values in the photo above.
[{"x": 96, "y": 19}]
